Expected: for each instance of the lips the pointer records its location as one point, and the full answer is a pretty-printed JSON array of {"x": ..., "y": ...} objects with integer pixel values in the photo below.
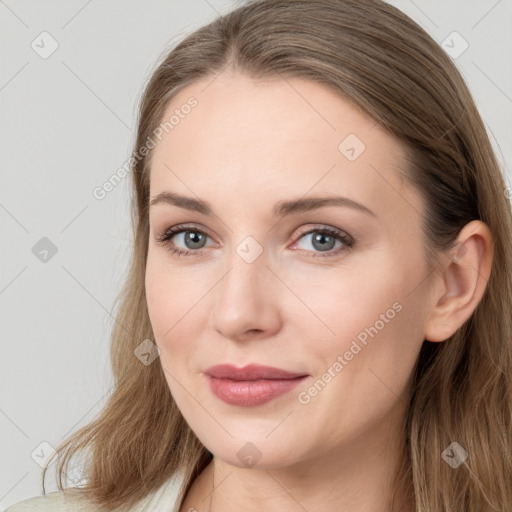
[
  {"x": 251, "y": 385},
  {"x": 250, "y": 372}
]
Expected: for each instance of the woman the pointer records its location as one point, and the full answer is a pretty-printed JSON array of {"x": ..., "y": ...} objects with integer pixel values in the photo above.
[{"x": 317, "y": 314}]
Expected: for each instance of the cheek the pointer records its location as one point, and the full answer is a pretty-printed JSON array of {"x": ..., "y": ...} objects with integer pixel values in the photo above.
[
  {"x": 164, "y": 308},
  {"x": 339, "y": 304},
  {"x": 363, "y": 374},
  {"x": 175, "y": 300},
  {"x": 172, "y": 296},
  {"x": 368, "y": 319}
]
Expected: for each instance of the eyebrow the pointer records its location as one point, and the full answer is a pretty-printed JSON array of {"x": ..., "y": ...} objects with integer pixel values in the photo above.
[{"x": 280, "y": 209}]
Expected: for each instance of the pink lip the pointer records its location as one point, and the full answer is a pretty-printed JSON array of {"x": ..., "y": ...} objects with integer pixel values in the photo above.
[{"x": 251, "y": 385}]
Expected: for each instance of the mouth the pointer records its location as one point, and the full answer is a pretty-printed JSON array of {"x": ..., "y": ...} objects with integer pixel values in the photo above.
[{"x": 251, "y": 385}]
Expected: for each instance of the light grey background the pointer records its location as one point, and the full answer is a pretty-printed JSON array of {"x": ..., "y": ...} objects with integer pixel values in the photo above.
[{"x": 67, "y": 124}]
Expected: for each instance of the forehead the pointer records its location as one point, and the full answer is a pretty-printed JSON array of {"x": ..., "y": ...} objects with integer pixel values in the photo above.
[{"x": 247, "y": 138}]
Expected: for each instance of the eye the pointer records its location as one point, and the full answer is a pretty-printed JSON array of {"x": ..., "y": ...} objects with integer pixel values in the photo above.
[
  {"x": 194, "y": 239},
  {"x": 190, "y": 236},
  {"x": 323, "y": 239}
]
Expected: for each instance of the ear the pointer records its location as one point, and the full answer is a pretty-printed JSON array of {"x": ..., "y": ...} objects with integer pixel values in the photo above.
[{"x": 459, "y": 288}]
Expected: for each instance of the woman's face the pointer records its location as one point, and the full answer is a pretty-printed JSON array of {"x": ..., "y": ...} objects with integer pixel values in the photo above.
[{"x": 263, "y": 283}]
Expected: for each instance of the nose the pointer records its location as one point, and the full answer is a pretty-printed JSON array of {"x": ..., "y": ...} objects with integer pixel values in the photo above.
[{"x": 246, "y": 300}]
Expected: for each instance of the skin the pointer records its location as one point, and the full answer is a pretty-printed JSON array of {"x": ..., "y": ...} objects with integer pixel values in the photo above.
[{"x": 247, "y": 145}]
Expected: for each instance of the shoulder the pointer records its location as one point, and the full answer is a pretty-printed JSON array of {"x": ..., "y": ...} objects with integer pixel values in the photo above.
[
  {"x": 73, "y": 499},
  {"x": 68, "y": 500}
]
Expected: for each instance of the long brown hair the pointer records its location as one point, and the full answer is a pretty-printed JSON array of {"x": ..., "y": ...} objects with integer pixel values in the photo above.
[{"x": 378, "y": 58}]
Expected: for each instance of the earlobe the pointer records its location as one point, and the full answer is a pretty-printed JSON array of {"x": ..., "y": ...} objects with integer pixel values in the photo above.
[{"x": 462, "y": 284}]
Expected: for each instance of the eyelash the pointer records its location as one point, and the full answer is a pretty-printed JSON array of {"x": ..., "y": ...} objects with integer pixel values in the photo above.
[{"x": 165, "y": 237}]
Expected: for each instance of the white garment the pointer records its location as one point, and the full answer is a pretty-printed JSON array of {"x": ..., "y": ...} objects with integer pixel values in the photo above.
[{"x": 164, "y": 499}]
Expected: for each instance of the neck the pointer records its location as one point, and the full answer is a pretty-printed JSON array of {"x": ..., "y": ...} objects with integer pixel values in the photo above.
[{"x": 357, "y": 477}]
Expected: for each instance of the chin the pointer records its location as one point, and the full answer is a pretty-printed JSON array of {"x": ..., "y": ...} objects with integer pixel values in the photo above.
[{"x": 258, "y": 451}]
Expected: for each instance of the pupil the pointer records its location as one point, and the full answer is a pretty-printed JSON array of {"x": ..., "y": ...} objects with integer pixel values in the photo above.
[
  {"x": 194, "y": 238},
  {"x": 321, "y": 240}
]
